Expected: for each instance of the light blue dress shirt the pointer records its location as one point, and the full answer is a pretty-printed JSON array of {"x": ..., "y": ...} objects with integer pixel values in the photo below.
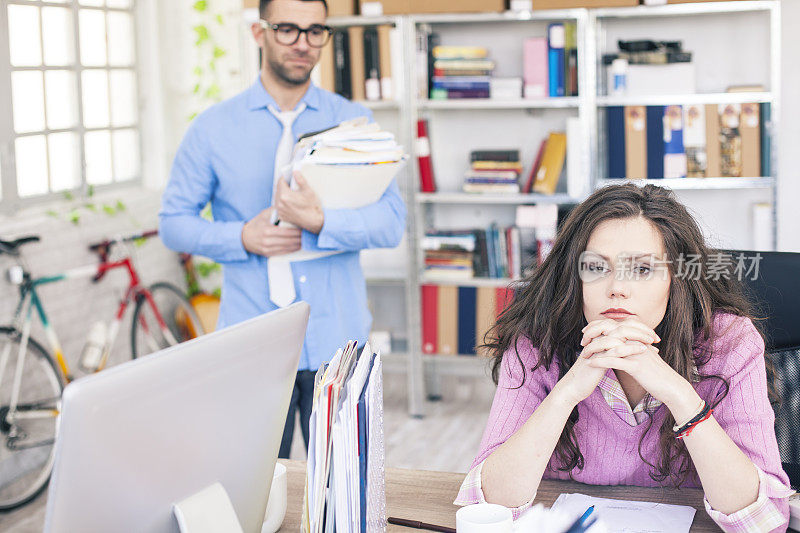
[{"x": 227, "y": 158}]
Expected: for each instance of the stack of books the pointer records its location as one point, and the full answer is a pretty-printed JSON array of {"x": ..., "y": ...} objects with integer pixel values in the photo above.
[
  {"x": 455, "y": 320},
  {"x": 449, "y": 254},
  {"x": 695, "y": 141},
  {"x": 493, "y": 171},
  {"x": 460, "y": 72}
]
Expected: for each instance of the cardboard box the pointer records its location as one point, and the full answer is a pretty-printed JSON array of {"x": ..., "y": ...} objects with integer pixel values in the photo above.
[
  {"x": 336, "y": 8},
  {"x": 569, "y": 4},
  {"x": 403, "y": 7}
]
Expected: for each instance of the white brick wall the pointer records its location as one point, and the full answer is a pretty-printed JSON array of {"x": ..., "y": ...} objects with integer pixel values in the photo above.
[{"x": 73, "y": 305}]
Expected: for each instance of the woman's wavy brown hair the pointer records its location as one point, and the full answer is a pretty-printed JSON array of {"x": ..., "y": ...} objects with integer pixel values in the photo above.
[{"x": 548, "y": 309}]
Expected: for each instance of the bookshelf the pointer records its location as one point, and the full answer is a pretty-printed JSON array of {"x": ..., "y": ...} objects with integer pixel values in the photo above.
[{"x": 452, "y": 138}]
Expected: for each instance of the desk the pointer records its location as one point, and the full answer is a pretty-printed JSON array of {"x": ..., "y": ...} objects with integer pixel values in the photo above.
[{"x": 428, "y": 497}]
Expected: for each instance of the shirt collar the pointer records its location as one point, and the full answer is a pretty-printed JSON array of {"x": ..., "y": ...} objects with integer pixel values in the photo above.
[{"x": 259, "y": 98}]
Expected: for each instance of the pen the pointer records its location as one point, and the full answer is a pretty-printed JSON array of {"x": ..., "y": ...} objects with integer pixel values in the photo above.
[
  {"x": 420, "y": 525},
  {"x": 579, "y": 525}
]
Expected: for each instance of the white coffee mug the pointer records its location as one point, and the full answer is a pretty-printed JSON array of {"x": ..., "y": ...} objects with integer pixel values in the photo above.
[
  {"x": 276, "y": 505},
  {"x": 484, "y": 518}
]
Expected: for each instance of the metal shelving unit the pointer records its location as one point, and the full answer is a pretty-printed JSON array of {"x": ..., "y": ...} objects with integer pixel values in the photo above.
[{"x": 588, "y": 105}]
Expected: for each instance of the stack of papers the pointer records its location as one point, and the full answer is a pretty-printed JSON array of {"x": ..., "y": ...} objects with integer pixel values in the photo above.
[
  {"x": 348, "y": 166},
  {"x": 345, "y": 484}
]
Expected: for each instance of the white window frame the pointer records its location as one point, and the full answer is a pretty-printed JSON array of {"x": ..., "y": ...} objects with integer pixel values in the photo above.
[{"x": 10, "y": 201}]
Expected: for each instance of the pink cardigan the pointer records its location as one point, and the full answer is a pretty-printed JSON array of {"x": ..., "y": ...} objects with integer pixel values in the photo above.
[{"x": 610, "y": 446}]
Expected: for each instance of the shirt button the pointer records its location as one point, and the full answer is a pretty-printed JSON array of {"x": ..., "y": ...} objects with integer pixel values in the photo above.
[{"x": 302, "y": 279}]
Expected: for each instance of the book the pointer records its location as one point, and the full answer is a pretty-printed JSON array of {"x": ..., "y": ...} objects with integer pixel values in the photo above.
[
  {"x": 766, "y": 139},
  {"x": 552, "y": 163},
  {"x": 730, "y": 140},
  {"x": 570, "y": 59},
  {"x": 555, "y": 59},
  {"x": 433, "y": 42},
  {"x": 461, "y": 82},
  {"x": 535, "y": 168},
  {"x": 423, "y": 152},
  {"x": 750, "y": 130},
  {"x": 459, "y": 52},
  {"x": 615, "y": 134},
  {"x": 535, "y": 70},
  {"x": 372, "y": 73},
  {"x": 466, "y": 320},
  {"x": 357, "y": 72},
  {"x": 447, "y": 320},
  {"x": 327, "y": 68},
  {"x": 429, "y": 318},
  {"x": 421, "y": 60},
  {"x": 385, "y": 47},
  {"x": 494, "y": 155},
  {"x": 635, "y": 142},
  {"x": 503, "y": 298},
  {"x": 694, "y": 140},
  {"x": 341, "y": 51},
  {"x": 713, "y": 146},
  {"x": 674, "y": 153},
  {"x": 455, "y": 94},
  {"x": 486, "y": 303},
  {"x": 655, "y": 142}
]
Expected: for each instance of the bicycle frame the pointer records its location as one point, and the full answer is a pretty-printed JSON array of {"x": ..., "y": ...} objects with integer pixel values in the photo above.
[{"x": 29, "y": 300}]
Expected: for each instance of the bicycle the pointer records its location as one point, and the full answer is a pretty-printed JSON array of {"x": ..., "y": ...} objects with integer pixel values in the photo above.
[{"x": 32, "y": 380}]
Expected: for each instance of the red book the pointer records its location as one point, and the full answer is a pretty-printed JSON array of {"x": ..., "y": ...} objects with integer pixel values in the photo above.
[
  {"x": 535, "y": 168},
  {"x": 504, "y": 296},
  {"x": 426, "y": 181},
  {"x": 429, "y": 323}
]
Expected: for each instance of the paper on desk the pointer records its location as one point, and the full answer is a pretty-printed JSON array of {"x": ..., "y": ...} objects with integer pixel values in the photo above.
[
  {"x": 543, "y": 520},
  {"x": 623, "y": 516}
]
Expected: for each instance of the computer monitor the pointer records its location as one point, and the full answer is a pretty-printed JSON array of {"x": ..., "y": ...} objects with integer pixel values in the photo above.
[{"x": 136, "y": 438}]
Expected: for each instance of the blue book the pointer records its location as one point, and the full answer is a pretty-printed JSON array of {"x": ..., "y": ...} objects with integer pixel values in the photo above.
[
  {"x": 766, "y": 139},
  {"x": 555, "y": 58},
  {"x": 490, "y": 253},
  {"x": 361, "y": 411},
  {"x": 655, "y": 142},
  {"x": 615, "y": 133},
  {"x": 674, "y": 153},
  {"x": 466, "y": 320}
]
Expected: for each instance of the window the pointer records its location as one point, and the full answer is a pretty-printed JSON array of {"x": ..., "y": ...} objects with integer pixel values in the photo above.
[{"x": 68, "y": 96}]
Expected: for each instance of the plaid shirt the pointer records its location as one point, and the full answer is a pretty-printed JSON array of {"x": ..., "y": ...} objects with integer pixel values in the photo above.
[{"x": 760, "y": 516}]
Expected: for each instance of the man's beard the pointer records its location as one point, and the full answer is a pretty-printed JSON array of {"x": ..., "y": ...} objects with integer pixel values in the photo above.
[{"x": 284, "y": 74}]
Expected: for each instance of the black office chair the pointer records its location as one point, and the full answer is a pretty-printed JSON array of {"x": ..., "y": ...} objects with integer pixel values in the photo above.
[{"x": 776, "y": 295}]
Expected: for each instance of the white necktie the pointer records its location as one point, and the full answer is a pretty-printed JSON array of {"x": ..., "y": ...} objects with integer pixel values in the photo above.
[{"x": 279, "y": 269}]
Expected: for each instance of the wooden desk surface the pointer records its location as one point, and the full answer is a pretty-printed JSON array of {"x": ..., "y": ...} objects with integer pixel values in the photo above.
[{"x": 428, "y": 496}]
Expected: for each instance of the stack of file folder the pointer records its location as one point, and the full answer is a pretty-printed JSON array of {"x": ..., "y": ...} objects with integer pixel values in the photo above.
[
  {"x": 349, "y": 165},
  {"x": 345, "y": 482}
]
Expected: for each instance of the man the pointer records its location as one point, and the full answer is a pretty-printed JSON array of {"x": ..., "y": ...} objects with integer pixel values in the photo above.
[{"x": 229, "y": 156}]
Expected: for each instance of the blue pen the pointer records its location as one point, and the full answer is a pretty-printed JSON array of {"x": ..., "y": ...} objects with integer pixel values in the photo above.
[{"x": 580, "y": 524}]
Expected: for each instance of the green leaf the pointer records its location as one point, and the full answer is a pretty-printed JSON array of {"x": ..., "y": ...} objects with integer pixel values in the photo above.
[
  {"x": 219, "y": 52},
  {"x": 219, "y": 19},
  {"x": 108, "y": 210},
  {"x": 206, "y": 269},
  {"x": 74, "y": 216},
  {"x": 191, "y": 117},
  {"x": 200, "y": 5},
  {"x": 198, "y": 71},
  {"x": 68, "y": 196},
  {"x": 213, "y": 91},
  {"x": 91, "y": 207},
  {"x": 212, "y": 66},
  {"x": 196, "y": 89},
  {"x": 120, "y": 206},
  {"x": 217, "y": 292},
  {"x": 51, "y": 213},
  {"x": 202, "y": 34},
  {"x": 90, "y": 191}
]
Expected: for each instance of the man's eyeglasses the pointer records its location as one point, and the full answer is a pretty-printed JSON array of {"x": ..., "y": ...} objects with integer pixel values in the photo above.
[{"x": 287, "y": 33}]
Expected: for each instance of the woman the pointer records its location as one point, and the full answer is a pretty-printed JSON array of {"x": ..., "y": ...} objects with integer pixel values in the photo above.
[{"x": 630, "y": 358}]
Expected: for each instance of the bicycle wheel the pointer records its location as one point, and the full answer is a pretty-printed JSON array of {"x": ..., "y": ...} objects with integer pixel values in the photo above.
[
  {"x": 170, "y": 306},
  {"x": 27, "y": 436}
]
